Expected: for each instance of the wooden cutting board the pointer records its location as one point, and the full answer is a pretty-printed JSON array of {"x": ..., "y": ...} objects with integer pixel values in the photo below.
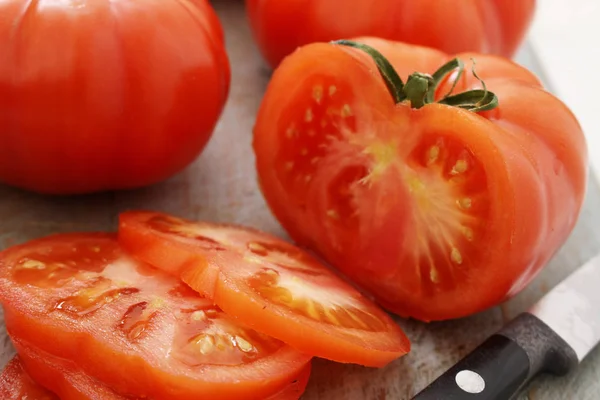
[{"x": 221, "y": 186}]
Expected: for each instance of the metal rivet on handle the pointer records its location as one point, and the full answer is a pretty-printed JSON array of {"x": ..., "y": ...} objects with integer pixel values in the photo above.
[{"x": 470, "y": 382}]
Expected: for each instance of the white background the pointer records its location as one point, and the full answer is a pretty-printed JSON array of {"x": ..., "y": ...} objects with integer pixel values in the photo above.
[{"x": 566, "y": 38}]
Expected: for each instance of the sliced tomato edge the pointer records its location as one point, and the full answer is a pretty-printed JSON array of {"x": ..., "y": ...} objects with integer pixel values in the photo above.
[
  {"x": 32, "y": 358},
  {"x": 333, "y": 347},
  {"x": 14, "y": 378},
  {"x": 296, "y": 388},
  {"x": 292, "y": 330}
]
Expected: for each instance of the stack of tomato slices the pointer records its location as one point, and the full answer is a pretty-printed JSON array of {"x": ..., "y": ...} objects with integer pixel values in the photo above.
[{"x": 174, "y": 309}]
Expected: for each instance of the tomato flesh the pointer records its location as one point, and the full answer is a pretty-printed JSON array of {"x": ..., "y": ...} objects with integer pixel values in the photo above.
[
  {"x": 58, "y": 376},
  {"x": 16, "y": 384},
  {"x": 269, "y": 285},
  {"x": 363, "y": 174},
  {"x": 80, "y": 297},
  {"x": 296, "y": 388}
]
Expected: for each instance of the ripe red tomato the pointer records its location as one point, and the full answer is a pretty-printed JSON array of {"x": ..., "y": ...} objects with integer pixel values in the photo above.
[
  {"x": 438, "y": 211},
  {"x": 138, "y": 330},
  {"x": 106, "y": 94},
  {"x": 15, "y": 384},
  {"x": 268, "y": 285},
  {"x": 486, "y": 26}
]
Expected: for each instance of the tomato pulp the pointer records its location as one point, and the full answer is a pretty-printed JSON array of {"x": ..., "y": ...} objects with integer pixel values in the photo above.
[
  {"x": 138, "y": 330},
  {"x": 438, "y": 211},
  {"x": 269, "y": 285},
  {"x": 106, "y": 94}
]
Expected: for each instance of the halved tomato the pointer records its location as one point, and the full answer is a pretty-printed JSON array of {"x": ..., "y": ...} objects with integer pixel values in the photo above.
[
  {"x": 66, "y": 379},
  {"x": 142, "y": 332},
  {"x": 268, "y": 285},
  {"x": 15, "y": 384},
  {"x": 439, "y": 193}
]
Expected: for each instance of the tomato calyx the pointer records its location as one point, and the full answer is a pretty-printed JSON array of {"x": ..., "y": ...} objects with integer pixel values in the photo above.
[{"x": 420, "y": 88}]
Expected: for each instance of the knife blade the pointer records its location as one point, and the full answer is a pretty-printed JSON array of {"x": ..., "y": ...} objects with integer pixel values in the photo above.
[{"x": 553, "y": 336}]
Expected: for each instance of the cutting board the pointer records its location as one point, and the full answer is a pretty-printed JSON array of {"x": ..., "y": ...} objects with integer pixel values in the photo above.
[{"x": 221, "y": 186}]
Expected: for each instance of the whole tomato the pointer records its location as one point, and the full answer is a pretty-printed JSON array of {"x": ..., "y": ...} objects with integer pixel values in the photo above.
[
  {"x": 106, "y": 94},
  {"x": 439, "y": 194},
  {"x": 485, "y": 26}
]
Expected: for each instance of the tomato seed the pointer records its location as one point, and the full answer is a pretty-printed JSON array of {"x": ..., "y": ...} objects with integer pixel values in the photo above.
[
  {"x": 459, "y": 167},
  {"x": 346, "y": 111},
  {"x": 308, "y": 117},
  {"x": 465, "y": 203},
  {"x": 467, "y": 232},
  {"x": 318, "y": 93},
  {"x": 243, "y": 344},
  {"x": 199, "y": 315},
  {"x": 456, "y": 256},
  {"x": 433, "y": 154},
  {"x": 33, "y": 264}
]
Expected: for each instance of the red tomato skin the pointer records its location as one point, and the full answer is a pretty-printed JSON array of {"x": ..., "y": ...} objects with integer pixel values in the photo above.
[
  {"x": 535, "y": 160},
  {"x": 488, "y": 26},
  {"x": 107, "y": 95}
]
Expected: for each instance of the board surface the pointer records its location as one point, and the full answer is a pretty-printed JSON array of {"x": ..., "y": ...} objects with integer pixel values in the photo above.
[{"x": 221, "y": 186}]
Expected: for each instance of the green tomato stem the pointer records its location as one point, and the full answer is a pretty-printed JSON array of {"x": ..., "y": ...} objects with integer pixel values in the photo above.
[{"x": 420, "y": 88}]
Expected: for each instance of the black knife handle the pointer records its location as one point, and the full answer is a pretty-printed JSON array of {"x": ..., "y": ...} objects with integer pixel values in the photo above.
[{"x": 500, "y": 366}]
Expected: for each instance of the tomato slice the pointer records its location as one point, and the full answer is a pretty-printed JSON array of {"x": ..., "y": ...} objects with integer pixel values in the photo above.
[
  {"x": 268, "y": 285},
  {"x": 55, "y": 375},
  {"x": 142, "y": 332},
  {"x": 60, "y": 376},
  {"x": 15, "y": 384},
  {"x": 296, "y": 388}
]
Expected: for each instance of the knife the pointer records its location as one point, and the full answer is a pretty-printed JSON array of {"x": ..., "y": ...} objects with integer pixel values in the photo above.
[{"x": 554, "y": 336}]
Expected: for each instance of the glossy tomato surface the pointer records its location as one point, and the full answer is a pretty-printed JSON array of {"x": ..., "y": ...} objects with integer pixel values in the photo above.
[
  {"x": 106, "y": 94},
  {"x": 487, "y": 26},
  {"x": 16, "y": 384},
  {"x": 59, "y": 376},
  {"x": 269, "y": 285},
  {"x": 138, "y": 330},
  {"x": 438, "y": 212},
  {"x": 296, "y": 388},
  {"x": 65, "y": 378}
]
